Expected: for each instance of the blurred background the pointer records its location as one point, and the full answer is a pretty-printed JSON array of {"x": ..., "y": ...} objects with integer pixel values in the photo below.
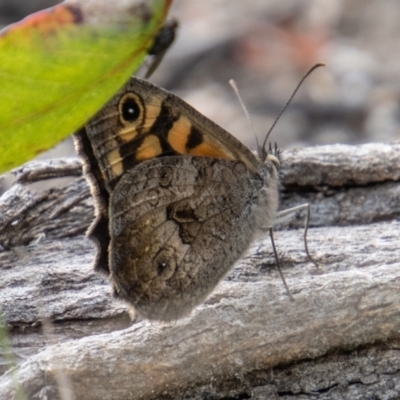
[{"x": 267, "y": 46}]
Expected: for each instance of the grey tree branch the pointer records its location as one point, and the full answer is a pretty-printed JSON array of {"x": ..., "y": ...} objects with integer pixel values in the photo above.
[{"x": 248, "y": 338}]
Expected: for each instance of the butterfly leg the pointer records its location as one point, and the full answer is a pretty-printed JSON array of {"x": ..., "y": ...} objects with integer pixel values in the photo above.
[
  {"x": 161, "y": 44},
  {"x": 278, "y": 265},
  {"x": 292, "y": 210}
]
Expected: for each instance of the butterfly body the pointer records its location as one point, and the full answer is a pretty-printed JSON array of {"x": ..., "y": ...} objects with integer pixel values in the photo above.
[{"x": 178, "y": 199}]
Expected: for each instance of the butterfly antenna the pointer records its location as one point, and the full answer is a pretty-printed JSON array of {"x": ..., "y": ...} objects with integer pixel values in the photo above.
[
  {"x": 290, "y": 99},
  {"x": 235, "y": 88}
]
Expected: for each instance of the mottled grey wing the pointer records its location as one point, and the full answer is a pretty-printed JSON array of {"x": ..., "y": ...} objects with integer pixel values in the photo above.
[{"x": 177, "y": 226}]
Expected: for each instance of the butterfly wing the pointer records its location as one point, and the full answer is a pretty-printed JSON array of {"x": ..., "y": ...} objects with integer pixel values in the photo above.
[
  {"x": 141, "y": 122},
  {"x": 178, "y": 224},
  {"x": 144, "y": 121}
]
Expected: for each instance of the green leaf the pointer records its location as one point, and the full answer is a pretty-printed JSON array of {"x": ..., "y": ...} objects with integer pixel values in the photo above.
[{"x": 60, "y": 65}]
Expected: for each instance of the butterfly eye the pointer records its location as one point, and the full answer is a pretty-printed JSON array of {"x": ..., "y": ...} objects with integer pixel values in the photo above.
[{"x": 274, "y": 161}]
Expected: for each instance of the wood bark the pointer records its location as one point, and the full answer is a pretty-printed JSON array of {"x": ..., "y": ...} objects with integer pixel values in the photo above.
[{"x": 338, "y": 339}]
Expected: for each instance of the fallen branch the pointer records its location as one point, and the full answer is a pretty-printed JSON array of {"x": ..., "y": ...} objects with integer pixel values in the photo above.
[{"x": 246, "y": 329}]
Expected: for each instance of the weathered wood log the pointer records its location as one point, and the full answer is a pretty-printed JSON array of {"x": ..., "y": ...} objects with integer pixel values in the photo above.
[{"x": 249, "y": 338}]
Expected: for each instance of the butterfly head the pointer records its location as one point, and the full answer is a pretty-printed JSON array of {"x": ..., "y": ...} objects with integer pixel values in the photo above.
[{"x": 272, "y": 156}]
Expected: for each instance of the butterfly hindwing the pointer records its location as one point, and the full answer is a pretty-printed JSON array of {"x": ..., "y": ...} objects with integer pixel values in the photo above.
[{"x": 176, "y": 225}]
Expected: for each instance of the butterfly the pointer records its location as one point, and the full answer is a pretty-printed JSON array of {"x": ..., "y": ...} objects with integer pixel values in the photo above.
[{"x": 178, "y": 200}]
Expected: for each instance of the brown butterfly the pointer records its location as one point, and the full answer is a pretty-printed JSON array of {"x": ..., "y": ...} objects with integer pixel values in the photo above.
[{"x": 178, "y": 199}]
